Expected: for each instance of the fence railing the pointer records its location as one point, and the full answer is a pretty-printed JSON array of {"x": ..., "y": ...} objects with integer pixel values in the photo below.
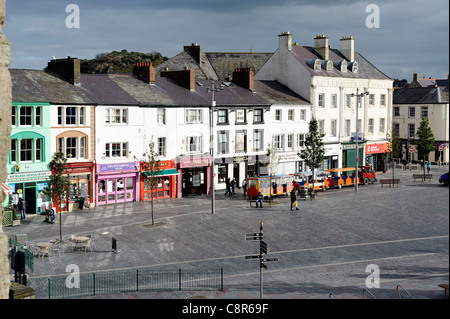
[
  {"x": 145, "y": 279},
  {"x": 29, "y": 257}
]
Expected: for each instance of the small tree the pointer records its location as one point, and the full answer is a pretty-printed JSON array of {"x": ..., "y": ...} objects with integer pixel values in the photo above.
[
  {"x": 425, "y": 143},
  {"x": 272, "y": 154},
  {"x": 58, "y": 185},
  {"x": 151, "y": 167},
  {"x": 395, "y": 149},
  {"x": 313, "y": 153}
]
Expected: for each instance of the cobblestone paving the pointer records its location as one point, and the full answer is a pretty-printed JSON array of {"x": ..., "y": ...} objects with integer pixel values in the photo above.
[{"x": 323, "y": 248}]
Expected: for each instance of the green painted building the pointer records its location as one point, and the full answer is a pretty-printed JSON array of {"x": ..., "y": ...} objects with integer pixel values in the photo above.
[{"x": 29, "y": 157}]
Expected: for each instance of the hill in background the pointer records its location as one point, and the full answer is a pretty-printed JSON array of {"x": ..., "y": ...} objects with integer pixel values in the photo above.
[{"x": 119, "y": 62}]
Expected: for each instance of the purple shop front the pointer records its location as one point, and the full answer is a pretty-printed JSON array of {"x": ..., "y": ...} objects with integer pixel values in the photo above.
[{"x": 117, "y": 182}]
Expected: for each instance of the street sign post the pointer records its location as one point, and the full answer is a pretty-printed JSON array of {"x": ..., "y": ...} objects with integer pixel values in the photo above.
[{"x": 263, "y": 250}]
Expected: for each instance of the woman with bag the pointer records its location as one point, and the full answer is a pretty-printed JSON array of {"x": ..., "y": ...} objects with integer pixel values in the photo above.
[{"x": 294, "y": 202}]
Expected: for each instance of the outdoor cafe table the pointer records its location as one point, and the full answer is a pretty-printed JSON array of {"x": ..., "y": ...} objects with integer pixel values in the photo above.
[
  {"x": 80, "y": 240},
  {"x": 44, "y": 248}
]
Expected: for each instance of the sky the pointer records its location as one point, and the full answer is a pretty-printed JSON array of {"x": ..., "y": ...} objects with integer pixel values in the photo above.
[{"x": 400, "y": 37}]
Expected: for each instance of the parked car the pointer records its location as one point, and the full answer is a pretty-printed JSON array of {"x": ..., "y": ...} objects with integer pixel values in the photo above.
[{"x": 445, "y": 179}]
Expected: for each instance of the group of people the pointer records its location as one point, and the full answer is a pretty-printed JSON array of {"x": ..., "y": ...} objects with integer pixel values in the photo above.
[
  {"x": 294, "y": 201},
  {"x": 231, "y": 184}
]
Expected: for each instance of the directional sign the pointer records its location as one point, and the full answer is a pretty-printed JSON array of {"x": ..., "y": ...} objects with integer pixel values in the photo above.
[
  {"x": 263, "y": 247},
  {"x": 252, "y": 257},
  {"x": 254, "y": 235},
  {"x": 253, "y": 238},
  {"x": 269, "y": 259},
  {"x": 261, "y": 265}
]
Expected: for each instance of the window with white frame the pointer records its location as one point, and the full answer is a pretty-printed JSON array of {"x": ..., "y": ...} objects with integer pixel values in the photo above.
[
  {"x": 348, "y": 100},
  {"x": 278, "y": 141},
  {"x": 371, "y": 99},
  {"x": 13, "y": 116},
  {"x": 333, "y": 127},
  {"x": 411, "y": 112},
  {"x": 194, "y": 144},
  {"x": 347, "y": 127},
  {"x": 72, "y": 115},
  {"x": 161, "y": 116},
  {"x": 223, "y": 144},
  {"x": 26, "y": 150},
  {"x": 302, "y": 115},
  {"x": 116, "y": 150},
  {"x": 116, "y": 116},
  {"x": 222, "y": 116},
  {"x": 321, "y": 124},
  {"x": 300, "y": 140},
  {"x": 334, "y": 102},
  {"x": 73, "y": 147},
  {"x": 424, "y": 111},
  {"x": 321, "y": 101},
  {"x": 26, "y": 116},
  {"x": 382, "y": 125},
  {"x": 194, "y": 116},
  {"x": 258, "y": 140},
  {"x": 278, "y": 115},
  {"x": 396, "y": 111},
  {"x": 370, "y": 128},
  {"x": 161, "y": 146},
  {"x": 411, "y": 130},
  {"x": 383, "y": 100},
  {"x": 258, "y": 116},
  {"x": 290, "y": 141},
  {"x": 291, "y": 115}
]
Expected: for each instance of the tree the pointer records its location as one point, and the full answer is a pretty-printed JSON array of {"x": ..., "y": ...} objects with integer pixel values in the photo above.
[
  {"x": 58, "y": 185},
  {"x": 425, "y": 142},
  {"x": 272, "y": 154},
  {"x": 151, "y": 168},
  {"x": 395, "y": 149},
  {"x": 314, "y": 151}
]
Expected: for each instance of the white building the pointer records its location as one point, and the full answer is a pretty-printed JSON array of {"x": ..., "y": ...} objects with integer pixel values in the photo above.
[{"x": 328, "y": 78}]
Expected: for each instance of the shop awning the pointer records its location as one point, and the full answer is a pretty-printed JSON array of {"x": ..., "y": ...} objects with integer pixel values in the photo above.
[
  {"x": 7, "y": 189},
  {"x": 165, "y": 172}
]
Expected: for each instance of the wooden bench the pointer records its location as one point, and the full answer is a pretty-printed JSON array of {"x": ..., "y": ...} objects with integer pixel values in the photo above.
[
  {"x": 253, "y": 200},
  {"x": 445, "y": 286},
  {"x": 423, "y": 177},
  {"x": 389, "y": 181}
]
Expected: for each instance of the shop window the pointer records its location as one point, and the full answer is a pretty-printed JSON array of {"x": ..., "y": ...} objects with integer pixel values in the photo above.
[{"x": 223, "y": 173}]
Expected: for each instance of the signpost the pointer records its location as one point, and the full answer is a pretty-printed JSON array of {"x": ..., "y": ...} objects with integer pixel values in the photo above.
[{"x": 263, "y": 250}]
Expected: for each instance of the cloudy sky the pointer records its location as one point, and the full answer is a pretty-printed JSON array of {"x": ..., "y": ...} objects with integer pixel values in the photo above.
[{"x": 410, "y": 36}]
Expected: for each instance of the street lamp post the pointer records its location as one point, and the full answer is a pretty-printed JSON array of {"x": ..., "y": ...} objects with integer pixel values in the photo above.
[
  {"x": 211, "y": 143},
  {"x": 358, "y": 97}
]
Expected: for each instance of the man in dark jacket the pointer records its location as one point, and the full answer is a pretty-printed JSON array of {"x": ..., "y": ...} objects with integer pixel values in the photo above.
[
  {"x": 293, "y": 199},
  {"x": 22, "y": 208}
]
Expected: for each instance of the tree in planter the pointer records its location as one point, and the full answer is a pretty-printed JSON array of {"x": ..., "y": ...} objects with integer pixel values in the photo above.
[
  {"x": 150, "y": 165},
  {"x": 314, "y": 151},
  {"x": 58, "y": 185},
  {"x": 425, "y": 142}
]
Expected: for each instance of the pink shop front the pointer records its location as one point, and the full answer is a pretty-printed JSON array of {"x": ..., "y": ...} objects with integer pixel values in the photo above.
[{"x": 117, "y": 183}]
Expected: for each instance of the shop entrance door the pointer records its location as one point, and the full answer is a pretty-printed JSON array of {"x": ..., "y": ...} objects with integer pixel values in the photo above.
[{"x": 30, "y": 197}]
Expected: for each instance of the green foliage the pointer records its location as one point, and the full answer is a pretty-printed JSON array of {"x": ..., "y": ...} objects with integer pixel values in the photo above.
[
  {"x": 119, "y": 62},
  {"x": 425, "y": 143},
  {"x": 313, "y": 153}
]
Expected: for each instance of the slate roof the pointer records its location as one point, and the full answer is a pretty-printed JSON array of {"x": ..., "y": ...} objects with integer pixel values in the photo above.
[
  {"x": 41, "y": 86},
  {"x": 305, "y": 55},
  {"x": 276, "y": 93},
  {"x": 421, "y": 95}
]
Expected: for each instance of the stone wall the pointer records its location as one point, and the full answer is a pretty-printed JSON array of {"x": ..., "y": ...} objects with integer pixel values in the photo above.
[{"x": 5, "y": 143}]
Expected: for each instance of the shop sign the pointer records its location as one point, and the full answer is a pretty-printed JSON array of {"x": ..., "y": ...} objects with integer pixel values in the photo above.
[
  {"x": 117, "y": 167},
  {"x": 377, "y": 148},
  {"x": 32, "y": 176},
  {"x": 194, "y": 161}
]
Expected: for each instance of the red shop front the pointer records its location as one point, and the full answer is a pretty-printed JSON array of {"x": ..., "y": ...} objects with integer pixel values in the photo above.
[
  {"x": 165, "y": 182},
  {"x": 80, "y": 178}
]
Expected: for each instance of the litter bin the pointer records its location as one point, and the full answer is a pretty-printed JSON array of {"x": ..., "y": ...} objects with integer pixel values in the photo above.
[{"x": 81, "y": 203}]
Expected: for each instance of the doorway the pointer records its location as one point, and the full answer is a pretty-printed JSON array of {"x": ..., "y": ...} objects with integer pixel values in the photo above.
[{"x": 30, "y": 197}]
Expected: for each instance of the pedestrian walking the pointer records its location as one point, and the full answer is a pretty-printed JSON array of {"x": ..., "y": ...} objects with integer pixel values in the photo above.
[
  {"x": 404, "y": 163},
  {"x": 294, "y": 202},
  {"x": 244, "y": 186},
  {"x": 227, "y": 186},
  {"x": 233, "y": 185},
  {"x": 259, "y": 199},
  {"x": 22, "y": 208},
  {"x": 428, "y": 166}
]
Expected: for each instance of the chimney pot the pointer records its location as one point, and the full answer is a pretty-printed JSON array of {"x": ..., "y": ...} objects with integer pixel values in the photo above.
[
  {"x": 347, "y": 48},
  {"x": 321, "y": 46}
]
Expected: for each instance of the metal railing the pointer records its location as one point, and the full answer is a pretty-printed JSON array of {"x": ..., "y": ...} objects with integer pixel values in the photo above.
[
  {"x": 146, "y": 279},
  {"x": 398, "y": 292},
  {"x": 29, "y": 257}
]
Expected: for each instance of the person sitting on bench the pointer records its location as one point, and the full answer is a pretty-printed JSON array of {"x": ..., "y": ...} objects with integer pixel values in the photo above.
[{"x": 259, "y": 199}]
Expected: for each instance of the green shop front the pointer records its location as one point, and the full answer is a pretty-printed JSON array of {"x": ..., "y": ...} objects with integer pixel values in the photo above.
[
  {"x": 349, "y": 154},
  {"x": 28, "y": 186}
]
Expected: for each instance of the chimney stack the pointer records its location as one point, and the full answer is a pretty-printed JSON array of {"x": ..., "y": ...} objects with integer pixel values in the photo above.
[
  {"x": 285, "y": 40},
  {"x": 321, "y": 46},
  {"x": 69, "y": 68},
  {"x": 348, "y": 48},
  {"x": 186, "y": 76},
  {"x": 195, "y": 51},
  {"x": 244, "y": 78},
  {"x": 145, "y": 70}
]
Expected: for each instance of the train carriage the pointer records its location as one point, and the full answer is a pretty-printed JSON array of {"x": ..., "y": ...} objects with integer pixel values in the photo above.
[{"x": 275, "y": 185}]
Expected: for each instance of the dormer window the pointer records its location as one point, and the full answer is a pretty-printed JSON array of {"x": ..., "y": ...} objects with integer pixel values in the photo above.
[
  {"x": 329, "y": 65},
  {"x": 354, "y": 67},
  {"x": 344, "y": 66},
  {"x": 317, "y": 65}
]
